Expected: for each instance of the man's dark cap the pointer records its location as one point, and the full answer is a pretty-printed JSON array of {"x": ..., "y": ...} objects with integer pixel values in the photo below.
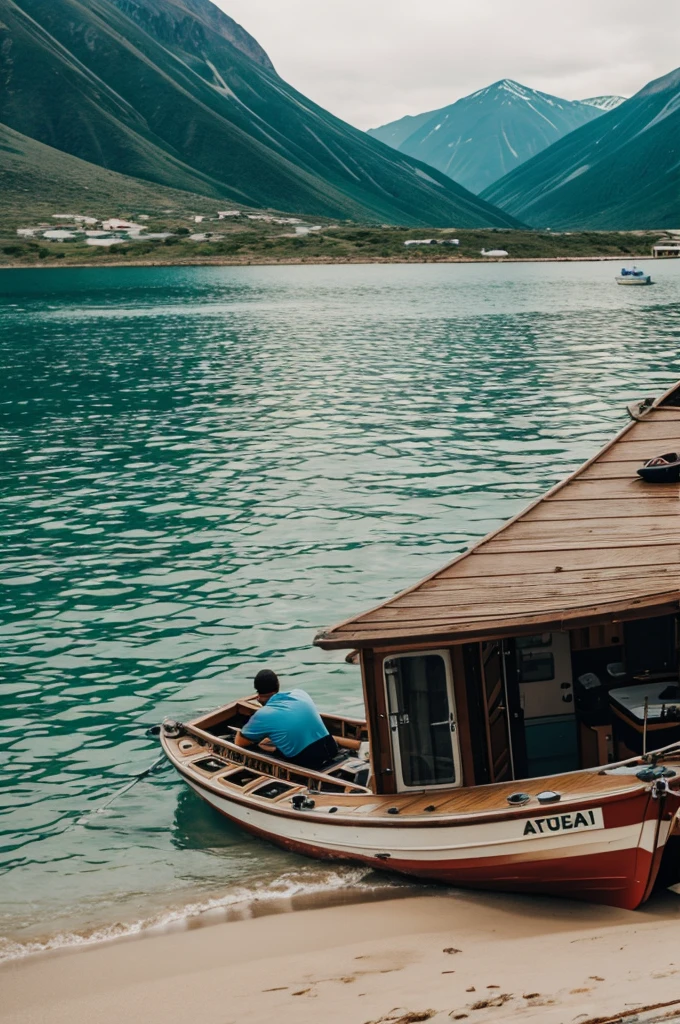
[{"x": 266, "y": 681}]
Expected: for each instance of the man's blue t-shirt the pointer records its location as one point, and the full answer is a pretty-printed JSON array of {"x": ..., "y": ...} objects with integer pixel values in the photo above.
[{"x": 290, "y": 720}]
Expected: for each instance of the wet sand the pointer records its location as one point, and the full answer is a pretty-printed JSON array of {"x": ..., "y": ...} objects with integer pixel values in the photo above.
[{"x": 441, "y": 957}]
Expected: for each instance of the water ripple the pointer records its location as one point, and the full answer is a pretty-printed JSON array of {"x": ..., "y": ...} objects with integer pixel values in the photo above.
[{"x": 201, "y": 467}]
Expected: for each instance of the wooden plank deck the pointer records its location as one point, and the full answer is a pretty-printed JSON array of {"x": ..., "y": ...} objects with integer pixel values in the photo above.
[
  {"x": 584, "y": 785},
  {"x": 598, "y": 540}
]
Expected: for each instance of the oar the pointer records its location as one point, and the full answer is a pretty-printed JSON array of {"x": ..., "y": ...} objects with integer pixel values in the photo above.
[{"x": 124, "y": 789}]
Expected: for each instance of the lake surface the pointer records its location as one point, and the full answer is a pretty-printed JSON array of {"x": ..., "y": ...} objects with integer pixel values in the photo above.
[{"x": 200, "y": 468}]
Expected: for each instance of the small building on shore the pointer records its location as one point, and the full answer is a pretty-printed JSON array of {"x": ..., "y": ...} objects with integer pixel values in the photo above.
[
  {"x": 665, "y": 248},
  {"x": 431, "y": 241},
  {"x": 114, "y": 224},
  {"x": 59, "y": 235}
]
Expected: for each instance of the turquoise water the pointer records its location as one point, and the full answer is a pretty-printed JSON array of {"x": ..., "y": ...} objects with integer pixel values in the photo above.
[{"x": 201, "y": 467}]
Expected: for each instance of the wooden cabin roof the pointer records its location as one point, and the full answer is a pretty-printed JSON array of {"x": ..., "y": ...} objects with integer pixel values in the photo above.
[{"x": 599, "y": 546}]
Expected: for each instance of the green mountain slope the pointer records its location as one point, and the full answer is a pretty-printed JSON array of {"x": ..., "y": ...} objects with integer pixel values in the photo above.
[
  {"x": 37, "y": 181},
  {"x": 481, "y": 137},
  {"x": 174, "y": 91},
  {"x": 619, "y": 172}
]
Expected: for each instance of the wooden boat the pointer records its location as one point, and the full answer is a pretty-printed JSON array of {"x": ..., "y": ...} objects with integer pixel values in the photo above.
[{"x": 523, "y": 729}]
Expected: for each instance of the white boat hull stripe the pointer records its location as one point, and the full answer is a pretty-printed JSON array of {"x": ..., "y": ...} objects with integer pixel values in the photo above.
[{"x": 464, "y": 842}]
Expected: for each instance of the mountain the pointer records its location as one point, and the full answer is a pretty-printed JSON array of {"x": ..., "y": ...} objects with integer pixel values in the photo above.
[
  {"x": 619, "y": 172},
  {"x": 481, "y": 137},
  {"x": 604, "y": 102},
  {"x": 396, "y": 133},
  {"x": 37, "y": 181},
  {"x": 175, "y": 92}
]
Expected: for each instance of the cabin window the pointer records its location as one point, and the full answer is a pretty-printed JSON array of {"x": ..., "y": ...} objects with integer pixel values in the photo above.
[
  {"x": 422, "y": 720},
  {"x": 541, "y": 640},
  {"x": 536, "y": 666}
]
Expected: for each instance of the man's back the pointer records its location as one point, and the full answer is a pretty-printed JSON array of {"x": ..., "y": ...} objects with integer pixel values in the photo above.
[{"x": 290, "y": 720}]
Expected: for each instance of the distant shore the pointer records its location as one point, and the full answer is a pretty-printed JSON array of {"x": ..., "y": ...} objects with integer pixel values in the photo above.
[
  {"x": 174, "y": 243},
  {"x": 323, "y": 261},
  {"x": 450, "y": 956}
]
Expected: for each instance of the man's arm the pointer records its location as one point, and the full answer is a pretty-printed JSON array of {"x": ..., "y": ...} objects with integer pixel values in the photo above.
[
  {"x": 264, "y": 744},
  {"x": 347, "y": 743},
  {"x": 254, "y": 732}
]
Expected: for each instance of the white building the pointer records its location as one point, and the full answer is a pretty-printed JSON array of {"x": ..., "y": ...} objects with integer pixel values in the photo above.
[
  {"x": 120, "y": 225},
  {"x": 76, "y": 218},
  {"x": 494, "y": 252},
  {"x": 59, "y": 235},
  {"x": 432, "y": 241},
  {"x": 221, "y": 214},
  {"x": 665, "y": 248}
]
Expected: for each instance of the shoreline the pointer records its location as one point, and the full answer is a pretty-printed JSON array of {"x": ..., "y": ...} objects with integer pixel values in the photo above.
[
  {"x": 321, "y": 261},
  {"x": 209, "y": 913},
  {"x": 436, "y": 956}
]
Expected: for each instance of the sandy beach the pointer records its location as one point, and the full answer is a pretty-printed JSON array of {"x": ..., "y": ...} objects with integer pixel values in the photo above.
[{"x": 438, "y": 957}]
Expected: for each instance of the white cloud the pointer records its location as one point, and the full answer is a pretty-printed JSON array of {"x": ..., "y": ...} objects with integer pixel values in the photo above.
[{"x": 371, "y": 61}]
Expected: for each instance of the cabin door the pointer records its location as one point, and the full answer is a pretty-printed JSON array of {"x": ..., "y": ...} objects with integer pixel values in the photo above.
[
  {"x": 423, "y": 720},
  {"x": 496, "y": 708}
]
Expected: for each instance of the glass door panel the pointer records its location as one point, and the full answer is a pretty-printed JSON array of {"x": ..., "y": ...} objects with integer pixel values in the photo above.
[{"x": 422, "y": 720}]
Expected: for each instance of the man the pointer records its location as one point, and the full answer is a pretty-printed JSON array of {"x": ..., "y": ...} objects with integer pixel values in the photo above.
[{"x": 290, "y": 723}]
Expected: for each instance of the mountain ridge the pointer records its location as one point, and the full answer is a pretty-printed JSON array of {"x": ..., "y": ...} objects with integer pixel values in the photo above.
[
  {"x": 484, "y": 135},
  {"x": 153, "y": 91},
  {"x": 620, "y": 172}
]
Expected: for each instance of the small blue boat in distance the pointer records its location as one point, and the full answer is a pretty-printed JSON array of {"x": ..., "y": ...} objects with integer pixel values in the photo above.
[{"x": 631, "y": 275}]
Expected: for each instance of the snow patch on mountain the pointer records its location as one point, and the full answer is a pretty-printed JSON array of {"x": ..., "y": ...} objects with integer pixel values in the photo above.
[
  {"x": 426, "y": 177},
  {"x": 604, "y": 102},
  {"x": 507, "y": 143},
  {"x": 670, "y": 108}
]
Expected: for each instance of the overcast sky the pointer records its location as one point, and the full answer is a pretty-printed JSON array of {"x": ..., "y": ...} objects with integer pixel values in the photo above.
[{"x": 371, "y": 61}]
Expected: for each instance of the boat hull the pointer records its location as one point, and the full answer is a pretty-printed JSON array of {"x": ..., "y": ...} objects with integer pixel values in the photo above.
[
  {"x": 613, "y": 862},
  {"x": 634, "y": 280}
]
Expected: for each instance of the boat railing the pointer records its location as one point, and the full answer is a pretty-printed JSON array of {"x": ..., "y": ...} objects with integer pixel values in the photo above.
[
  {"x": 651, "y": 757},
  {"x": 245, "y": 756}
]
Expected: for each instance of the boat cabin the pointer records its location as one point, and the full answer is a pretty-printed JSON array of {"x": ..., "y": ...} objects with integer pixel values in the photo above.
[{"x": 550, "y": 646}]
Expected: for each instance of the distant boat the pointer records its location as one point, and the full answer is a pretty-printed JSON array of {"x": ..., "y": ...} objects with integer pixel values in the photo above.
[
  {"x": 633, "y": 276},
  {"x": 494, "y": 252}
]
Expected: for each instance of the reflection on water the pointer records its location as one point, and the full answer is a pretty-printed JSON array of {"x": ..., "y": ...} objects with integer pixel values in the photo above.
[
  {"x": 201, "y": 467},
  {"x": 197, "y": 826}
]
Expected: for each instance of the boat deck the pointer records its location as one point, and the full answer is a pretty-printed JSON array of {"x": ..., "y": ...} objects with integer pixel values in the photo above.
[{"x": 576, "y": 788}]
